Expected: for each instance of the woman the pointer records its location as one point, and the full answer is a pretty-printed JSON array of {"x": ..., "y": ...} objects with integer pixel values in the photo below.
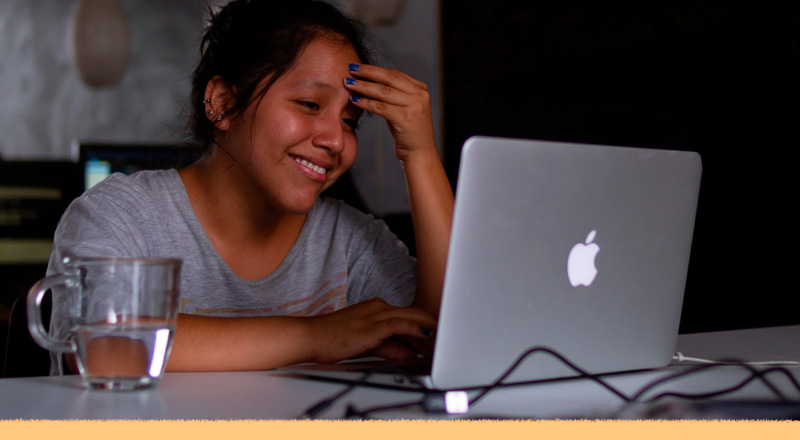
[{"x": 274, "y": 275}]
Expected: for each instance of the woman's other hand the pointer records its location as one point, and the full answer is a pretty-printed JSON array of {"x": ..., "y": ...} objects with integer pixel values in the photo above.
[
  {"x": 369, "y": 326},
  {"x": 400, "y": 99}
]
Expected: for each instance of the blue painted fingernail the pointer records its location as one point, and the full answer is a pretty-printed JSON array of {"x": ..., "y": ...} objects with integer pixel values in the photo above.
[
  {"x": 425, "y": 332},
  {"x": 353, "y": 67},
  {"x": 349, "y": 81},
  {"x": 355, "y": 98}
]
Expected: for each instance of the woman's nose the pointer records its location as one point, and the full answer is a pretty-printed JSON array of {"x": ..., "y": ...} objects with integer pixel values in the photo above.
[{"x": 331, "y": 135}]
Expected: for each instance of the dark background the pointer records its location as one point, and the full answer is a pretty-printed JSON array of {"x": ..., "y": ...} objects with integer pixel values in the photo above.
[{"x": 717, "y": 78}]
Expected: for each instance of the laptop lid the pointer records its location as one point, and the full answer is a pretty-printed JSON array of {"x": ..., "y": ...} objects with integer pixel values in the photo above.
[{"x": 583, "y": 249}]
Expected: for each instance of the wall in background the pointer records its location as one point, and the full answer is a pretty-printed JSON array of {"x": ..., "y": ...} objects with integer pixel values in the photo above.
[{"x": 44, "y": 105}]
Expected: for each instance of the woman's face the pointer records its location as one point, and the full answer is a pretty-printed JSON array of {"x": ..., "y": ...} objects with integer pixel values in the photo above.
[{"x": 300, "y": 137}]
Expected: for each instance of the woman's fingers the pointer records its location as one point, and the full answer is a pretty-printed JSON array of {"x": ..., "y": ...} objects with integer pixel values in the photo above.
[
  {"x": 393, "y": 88},
  {"x": 356, "y": 329},
  {"x": 402, "y": 347},
  {"x": 410, "y": 321},
  {"x": 374, "y": 97},
  {"x": 421, "y": 346},
  {"x": 400, "y": 326},
  {"x": 391, "y": 77},
  {"x": 392, "y": 349}
]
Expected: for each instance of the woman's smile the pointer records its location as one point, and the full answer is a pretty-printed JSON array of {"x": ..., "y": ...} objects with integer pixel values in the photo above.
[{"x": 309, "y": 168}]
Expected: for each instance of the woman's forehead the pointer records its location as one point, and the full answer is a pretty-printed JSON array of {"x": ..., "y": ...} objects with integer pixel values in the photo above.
[
  {"x": 326, "y": 52},
  {"x": 321, "y": 65}
]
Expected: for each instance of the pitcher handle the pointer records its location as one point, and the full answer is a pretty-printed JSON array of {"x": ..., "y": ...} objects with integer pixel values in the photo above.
[{"x": 34, "y": 309}]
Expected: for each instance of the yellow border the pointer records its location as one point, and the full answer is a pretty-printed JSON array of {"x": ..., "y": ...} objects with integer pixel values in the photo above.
[{"x": 404, "y": 430}]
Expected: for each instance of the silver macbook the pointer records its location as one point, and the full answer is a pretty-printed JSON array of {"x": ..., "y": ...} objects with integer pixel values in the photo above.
[{"x": 582, "y": 249}]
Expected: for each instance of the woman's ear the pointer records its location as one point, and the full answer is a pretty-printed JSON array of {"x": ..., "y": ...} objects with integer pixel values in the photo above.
[{"x": 218, "y": 99}]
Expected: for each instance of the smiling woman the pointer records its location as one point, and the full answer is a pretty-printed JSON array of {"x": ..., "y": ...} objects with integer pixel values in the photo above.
[{"x": 273, "y": 273}]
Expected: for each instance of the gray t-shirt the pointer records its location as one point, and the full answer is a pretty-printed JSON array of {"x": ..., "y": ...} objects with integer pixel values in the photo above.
[{"x": 341, "y": 257}]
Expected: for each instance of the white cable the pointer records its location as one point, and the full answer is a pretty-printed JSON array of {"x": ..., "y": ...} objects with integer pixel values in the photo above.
[{"x": 681, "y": 358}]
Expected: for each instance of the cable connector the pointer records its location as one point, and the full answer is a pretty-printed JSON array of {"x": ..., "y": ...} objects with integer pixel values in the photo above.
[{"x": 449, "y": 402}]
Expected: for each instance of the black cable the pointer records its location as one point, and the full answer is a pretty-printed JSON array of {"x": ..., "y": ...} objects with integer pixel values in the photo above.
[
  {"x": 351, "y": 411},
  {"x": 581, "y": 374},
  {"x": 325, "y": 403},
  {"x": 755, "y": 374},
  {"x": 753, "y": 371},
  {"x": 320, "y": 406}
]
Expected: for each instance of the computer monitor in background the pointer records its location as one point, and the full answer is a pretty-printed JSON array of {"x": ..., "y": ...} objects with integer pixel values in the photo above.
[
  {"x": 96, "y": 160},
  {"x": 33, "y": 195}
]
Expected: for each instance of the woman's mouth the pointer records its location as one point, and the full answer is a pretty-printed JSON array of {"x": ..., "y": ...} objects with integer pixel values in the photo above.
[
  {"x": 311, "y": 166},
  {"x": 313, "y": 171}
]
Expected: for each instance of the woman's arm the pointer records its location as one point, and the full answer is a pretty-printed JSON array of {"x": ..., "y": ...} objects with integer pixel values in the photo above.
[
  {"x": 204, "y": 343},
  {"x": 431, "y": 201},
  {"x": 405, "y": 104}
]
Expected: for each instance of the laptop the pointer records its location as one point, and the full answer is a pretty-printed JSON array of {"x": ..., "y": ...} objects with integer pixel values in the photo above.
[{"x": 580, "y": 249}]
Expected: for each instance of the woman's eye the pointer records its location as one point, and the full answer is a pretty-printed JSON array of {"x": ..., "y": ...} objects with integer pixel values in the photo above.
[
  {"x": 352, "y": 123},
  {"x": 309, "y": 105}
]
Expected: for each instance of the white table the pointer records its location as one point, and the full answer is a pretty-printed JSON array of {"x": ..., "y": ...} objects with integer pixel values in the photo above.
[{"x": 276, "y": 395}]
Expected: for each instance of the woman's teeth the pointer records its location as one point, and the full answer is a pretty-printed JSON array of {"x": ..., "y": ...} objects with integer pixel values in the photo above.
[{"x": 310, "y": 165}]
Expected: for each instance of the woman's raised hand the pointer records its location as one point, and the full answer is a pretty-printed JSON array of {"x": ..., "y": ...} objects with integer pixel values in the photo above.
[{"x": 400, "y": 99}]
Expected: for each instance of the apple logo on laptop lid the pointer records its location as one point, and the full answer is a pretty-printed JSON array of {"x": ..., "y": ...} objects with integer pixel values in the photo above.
[{"x": 580, "y": 264}]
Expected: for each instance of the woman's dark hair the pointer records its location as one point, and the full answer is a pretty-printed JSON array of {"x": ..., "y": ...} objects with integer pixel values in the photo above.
[{"x": 249, "y": 40}]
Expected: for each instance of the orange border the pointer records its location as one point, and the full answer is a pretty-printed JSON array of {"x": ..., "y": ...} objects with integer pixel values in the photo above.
[{"x": 405, "y": 430}]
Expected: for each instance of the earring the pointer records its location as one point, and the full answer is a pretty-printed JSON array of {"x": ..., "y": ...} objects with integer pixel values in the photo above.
[
  {"x": 210, "y": 112},
  {"x": 219, "y": 117},
  {"x": 207, "y": 101}
]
